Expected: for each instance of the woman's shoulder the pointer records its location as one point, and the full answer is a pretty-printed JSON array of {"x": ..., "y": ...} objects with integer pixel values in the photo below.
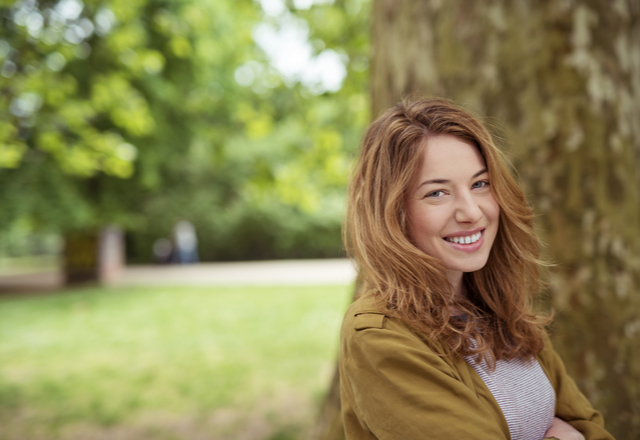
[
  {"x": 550, "y": 360},
  {"x": 365, "y": 305},
  {"x": 366, "y": 323},
  {"x": 363, "y": 314}
]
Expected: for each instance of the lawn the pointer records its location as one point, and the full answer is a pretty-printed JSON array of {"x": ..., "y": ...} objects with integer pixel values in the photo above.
[{"x": 167, "y": 363}]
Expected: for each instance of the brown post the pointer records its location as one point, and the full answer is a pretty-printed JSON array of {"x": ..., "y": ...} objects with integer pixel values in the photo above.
[{"x": 94, "y": 256}]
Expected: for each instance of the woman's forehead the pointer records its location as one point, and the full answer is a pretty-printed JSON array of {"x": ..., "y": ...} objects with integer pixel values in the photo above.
[{"x": 445, "y": 154}]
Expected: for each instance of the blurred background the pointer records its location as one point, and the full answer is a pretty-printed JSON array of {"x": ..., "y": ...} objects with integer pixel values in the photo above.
[
  {"x": 236, "y": 116},
  {"x": 172, "y": 181}
]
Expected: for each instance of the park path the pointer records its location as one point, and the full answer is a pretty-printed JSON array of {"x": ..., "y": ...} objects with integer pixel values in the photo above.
[
  {"x": 274, "y": 272},
  {"x": 265, "y": 273}
]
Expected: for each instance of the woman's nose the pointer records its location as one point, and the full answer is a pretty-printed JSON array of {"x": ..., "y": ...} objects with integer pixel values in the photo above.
[{"x": 467, "y": 209}]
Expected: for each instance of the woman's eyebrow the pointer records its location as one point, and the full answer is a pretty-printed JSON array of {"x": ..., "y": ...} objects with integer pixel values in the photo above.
[
  {"x": 441, "y": 181},
  {"x": 479, "y": 173}
]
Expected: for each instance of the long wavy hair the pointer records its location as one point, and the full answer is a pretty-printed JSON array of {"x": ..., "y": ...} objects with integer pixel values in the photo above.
[{"x": 499, "y": 322}]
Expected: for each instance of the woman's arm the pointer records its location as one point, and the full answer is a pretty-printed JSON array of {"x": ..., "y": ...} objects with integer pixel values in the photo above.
[
  {"x": 571, "y": 405},
  {"x": 561, "y": 430},
  {"x": 394, "y": 387}
]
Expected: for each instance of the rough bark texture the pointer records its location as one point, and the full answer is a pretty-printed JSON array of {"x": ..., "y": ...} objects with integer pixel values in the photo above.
[
  {"x": 560, "y": 82},
  {"x": 329, "y": 425}
]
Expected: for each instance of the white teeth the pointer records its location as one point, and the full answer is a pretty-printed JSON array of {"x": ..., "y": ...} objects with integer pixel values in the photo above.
[{"x": 465, "y": 240}]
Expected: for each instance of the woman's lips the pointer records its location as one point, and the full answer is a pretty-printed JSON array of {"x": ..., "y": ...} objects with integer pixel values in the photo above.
[{"x": 471, "y": 247}]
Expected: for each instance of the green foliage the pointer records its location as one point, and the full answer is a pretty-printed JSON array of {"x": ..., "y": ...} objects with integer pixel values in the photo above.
[
  {"x": 51, "y": 106},
  {"x": 131, "y": 113},
  {"x": 155, "y": 361}
]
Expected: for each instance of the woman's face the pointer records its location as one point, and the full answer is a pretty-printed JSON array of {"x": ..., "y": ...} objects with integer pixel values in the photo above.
[{"x": 452, "y": 214}]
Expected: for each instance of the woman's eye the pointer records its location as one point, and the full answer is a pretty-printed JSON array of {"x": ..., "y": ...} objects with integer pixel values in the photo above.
[
  {"x": 480, "y": 184},
  {"x": 434, "y": 194}
]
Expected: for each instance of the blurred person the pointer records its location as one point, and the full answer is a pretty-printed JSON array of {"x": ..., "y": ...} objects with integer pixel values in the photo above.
[
  {"x": 186, "y": 243},
  {"x": 443, "y": 342}
]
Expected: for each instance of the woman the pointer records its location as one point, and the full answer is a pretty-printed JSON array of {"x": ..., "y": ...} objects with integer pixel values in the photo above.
[{"x": 443, "y": 343}]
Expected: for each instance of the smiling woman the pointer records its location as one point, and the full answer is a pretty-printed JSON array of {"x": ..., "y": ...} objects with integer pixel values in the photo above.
[
  {"x": 452, "y": 213},
  {"x": 444, "y": 342}
]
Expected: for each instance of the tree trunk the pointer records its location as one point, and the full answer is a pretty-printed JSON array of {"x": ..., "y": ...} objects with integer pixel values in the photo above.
[
  {"x": 93, "y": 256},
  {"x": 560, "y": 81},
  {"x": 329, "y": 425}
]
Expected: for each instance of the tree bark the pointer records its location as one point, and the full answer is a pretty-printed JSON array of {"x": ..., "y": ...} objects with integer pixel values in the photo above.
[
  {"x": 559, "y": 83},
  {"x": 329, "y": 425}
]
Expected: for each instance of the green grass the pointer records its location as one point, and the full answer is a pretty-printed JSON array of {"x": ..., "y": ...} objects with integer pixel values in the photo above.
[{"x": 167, "y": 363}]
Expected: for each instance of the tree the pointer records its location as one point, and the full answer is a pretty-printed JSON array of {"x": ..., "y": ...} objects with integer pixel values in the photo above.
[
  {"x": 142, "y": 113},
  {"x": 562, "y": 78},
  {"x": 95, "y": 89},
  {"x": 92, "y": 90},
  {"x": 266, "y": 174}
]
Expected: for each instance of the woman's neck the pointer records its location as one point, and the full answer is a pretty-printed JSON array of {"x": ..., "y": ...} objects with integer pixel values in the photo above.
[
  {"x": 459, "y": 290},
  {"x": 455, "y": 279}
]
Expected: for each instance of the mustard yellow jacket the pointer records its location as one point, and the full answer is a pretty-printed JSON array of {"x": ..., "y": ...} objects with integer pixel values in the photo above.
[{"x": 395, "y": 387}]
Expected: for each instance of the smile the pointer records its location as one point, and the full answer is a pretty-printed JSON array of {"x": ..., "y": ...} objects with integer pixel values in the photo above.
[{"x": 469, "y": 239}]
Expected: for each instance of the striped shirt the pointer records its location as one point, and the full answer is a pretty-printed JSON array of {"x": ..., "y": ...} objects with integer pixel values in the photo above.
[{"x": 524, "y": 394}]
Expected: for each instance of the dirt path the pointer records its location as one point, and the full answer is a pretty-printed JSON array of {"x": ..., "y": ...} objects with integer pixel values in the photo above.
[{"x": 275, "y": 272}]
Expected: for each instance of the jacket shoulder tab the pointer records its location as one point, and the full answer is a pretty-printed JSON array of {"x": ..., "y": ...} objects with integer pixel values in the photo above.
[{"x": 368, "y": 320}]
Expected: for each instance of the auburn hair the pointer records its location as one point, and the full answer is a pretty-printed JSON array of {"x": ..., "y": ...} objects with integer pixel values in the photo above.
[{"x": 499, "y": 321}]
